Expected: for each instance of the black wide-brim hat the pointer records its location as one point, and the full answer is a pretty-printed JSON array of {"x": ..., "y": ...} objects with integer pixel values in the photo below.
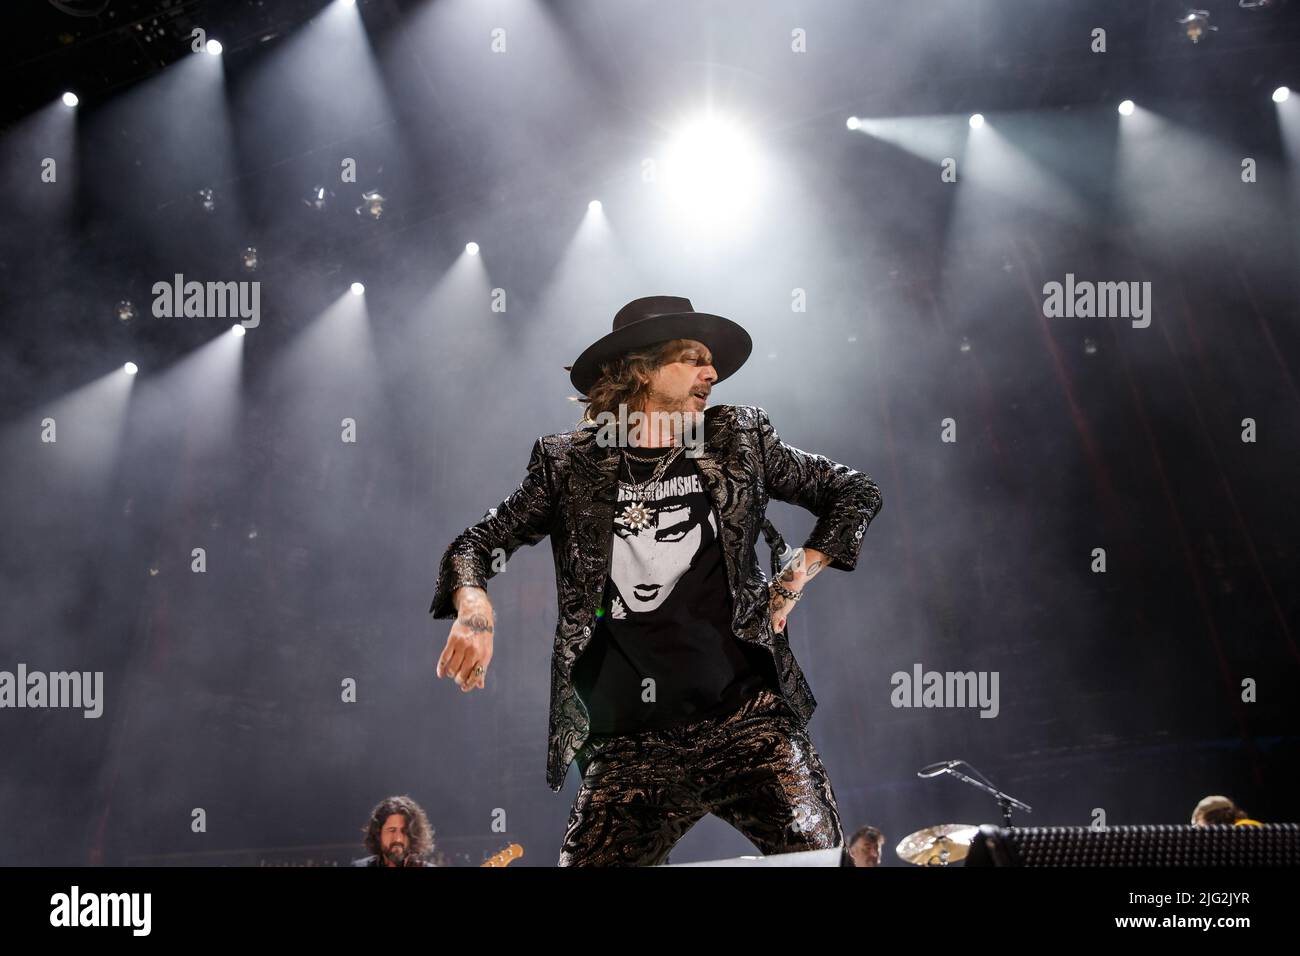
[{"x": 657, "y": 318}]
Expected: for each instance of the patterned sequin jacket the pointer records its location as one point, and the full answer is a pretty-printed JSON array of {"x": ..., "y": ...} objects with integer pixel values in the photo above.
[{"x": 570, "y": 491}]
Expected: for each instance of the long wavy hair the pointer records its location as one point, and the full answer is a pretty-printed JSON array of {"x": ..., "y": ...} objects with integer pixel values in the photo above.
[
  {"x": 626, "y": 379},
  {"x": 418, "y": 831}
]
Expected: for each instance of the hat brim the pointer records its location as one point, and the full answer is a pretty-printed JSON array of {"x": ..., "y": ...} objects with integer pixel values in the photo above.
[{"x": 729, "y": 343}]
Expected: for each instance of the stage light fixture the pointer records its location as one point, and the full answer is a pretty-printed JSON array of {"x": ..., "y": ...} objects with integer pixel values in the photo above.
[
  {"x": 372, "y": 204},
  {"x": 1195, "y": 24},
  {"x": 319, "y": 198}
]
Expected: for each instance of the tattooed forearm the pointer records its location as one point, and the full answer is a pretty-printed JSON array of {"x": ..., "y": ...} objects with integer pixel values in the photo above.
[
  {"x": 801, "y": 567},
  {"x": 473, "y": 609}
]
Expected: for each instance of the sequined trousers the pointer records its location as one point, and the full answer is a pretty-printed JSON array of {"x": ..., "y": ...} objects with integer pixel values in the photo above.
[{"x": 756, "y": 768}]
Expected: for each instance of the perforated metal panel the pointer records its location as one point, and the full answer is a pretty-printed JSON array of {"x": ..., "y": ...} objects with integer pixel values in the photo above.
[{"x": 1276, "y": 844}]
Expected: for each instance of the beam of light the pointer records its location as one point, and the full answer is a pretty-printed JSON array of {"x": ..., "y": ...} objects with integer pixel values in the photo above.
[
  {"x": 1178, "y": 187},
  {"x": 87, "y": 425},
  {"x": 588, "y": 284},
  {"x": 196, "y": 399},
  {"x": 931, "y": 138},
  {"x": 1288, "y": 122}
]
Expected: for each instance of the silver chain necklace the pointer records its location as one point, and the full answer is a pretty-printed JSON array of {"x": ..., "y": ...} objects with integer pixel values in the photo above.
[{"x": 635, "y": 514}]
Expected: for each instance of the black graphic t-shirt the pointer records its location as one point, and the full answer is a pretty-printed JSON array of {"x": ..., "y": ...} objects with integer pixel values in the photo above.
[{"x": 666, "y": 614}]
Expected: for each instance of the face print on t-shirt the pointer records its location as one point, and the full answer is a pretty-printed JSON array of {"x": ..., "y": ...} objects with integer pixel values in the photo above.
[{"x": 647, "y": 563}]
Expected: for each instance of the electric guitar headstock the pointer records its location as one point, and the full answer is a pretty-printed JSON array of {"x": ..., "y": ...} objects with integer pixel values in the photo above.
[{"x": 507, "y": 856}]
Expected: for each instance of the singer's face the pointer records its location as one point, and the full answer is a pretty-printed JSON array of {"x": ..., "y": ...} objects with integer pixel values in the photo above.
[
  {"x": 393, "y": 840},
  {"x": 683, "y": 383}
]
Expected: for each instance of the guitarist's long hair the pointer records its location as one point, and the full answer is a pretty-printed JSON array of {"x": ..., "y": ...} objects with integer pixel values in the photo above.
[{"x": 418, "y": 831}]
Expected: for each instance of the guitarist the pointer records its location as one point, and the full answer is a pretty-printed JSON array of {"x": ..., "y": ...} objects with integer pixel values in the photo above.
[{"x": 398, "y": 834}]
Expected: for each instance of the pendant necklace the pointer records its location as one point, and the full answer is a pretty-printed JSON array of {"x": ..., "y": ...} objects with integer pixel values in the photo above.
[{"x": 635, "y": 514}]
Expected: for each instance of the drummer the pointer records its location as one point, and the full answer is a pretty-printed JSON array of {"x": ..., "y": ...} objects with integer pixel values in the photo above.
[{"x": 866, "y": 846}]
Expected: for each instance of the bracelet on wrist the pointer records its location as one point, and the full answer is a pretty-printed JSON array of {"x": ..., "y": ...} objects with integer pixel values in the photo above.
[{"x": 784, "y": 591}]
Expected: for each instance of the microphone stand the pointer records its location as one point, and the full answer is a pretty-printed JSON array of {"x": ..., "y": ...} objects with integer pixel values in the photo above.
[{"x": 1005, "y": 801}]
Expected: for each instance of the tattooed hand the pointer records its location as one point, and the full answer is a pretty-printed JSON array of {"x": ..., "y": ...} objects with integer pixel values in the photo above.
[
  {"x": 469, "y": 645},
  {"x": 798, "y": 571}
]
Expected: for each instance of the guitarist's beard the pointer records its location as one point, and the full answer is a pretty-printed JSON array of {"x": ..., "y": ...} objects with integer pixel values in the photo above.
[{"x": 396, "y": 854}]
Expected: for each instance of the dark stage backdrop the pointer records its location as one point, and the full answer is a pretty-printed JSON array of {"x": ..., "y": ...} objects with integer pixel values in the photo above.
[{"x": 900, "y": 326}]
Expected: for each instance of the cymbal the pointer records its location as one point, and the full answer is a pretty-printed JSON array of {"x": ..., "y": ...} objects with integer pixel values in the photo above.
[{"x": 937, "y": 845}]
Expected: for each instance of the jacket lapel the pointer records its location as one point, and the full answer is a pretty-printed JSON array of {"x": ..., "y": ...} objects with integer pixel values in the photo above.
[
  {"x": 595, "y": 490},
  {"x": 715, "y": 482}
]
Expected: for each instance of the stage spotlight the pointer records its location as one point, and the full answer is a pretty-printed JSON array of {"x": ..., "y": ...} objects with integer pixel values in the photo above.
[
  {"x": 1281, "y": 94},
  {"x": 976, "y": 120},
  {"x": 712, "y": 172},
  {"x": 70, "y": 99},
  {"x": 248, "y": 258},
  {"x": 1126, "y": 108},
  {"x": 130, "y": 368},
  {"x": 853, "y": 122},
  {"x": 358, "y": 288},
  {"x": 125, "y": 311},
  {"x": 594, "y": 205},
  {"x": 238, "y": 330},
  {"x": 471, "y": 248},
  {"x": 206, "y": 199},
  {"x": 372, "y": 204},
  {"x": 213, "y": 47}
]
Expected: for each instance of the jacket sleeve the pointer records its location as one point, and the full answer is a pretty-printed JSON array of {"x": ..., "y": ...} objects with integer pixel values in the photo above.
[
  {"x": 476, "y": 553},
  {"x": 844, "y": 501}
]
